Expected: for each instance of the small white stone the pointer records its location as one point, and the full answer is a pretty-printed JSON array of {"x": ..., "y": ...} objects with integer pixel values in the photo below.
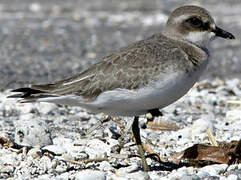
[
  {"x": 90, "y": 175},
  {"x": 61, "y": 168},
  {"x": 45, "y": 163},
  {"x": 219, "y": 167},
  {"x": 35, "y": 153},
  {"x": 232, "y": 167},
  {"x": 79, "y": 155},
  {"x": 46, "y": 108},
  {"x": 25, "y": 108},
  {"x": 32, "y": 133},
  {"x": 64, "y": 176},
  {"x": 177, "y": 174},
  {"x": 232, "y": 177},
  {"x": 140, "y": 175},
  {"x": 105, "y": 166},
  {"x": 129, "y": 169},
  {"x": 233, "y": 115},
  {"x": 97, "y": 148},
  {"x": 8, "y": 158},
  {"x": 2, "y": 106},
  {"x": 233, "y": 85},
  {"x": 210, "y": 170},
  {"x": 44, "y": 177},
  {"x": 27, "y": 116},
  {"x": 202, "y": 174},
  {"x": 189, "y": 119},
  {"x": 6, "y": 168},
  {"x": 199, "y": 126},
  {"x": 62, "y": 141},
  {"x": 35, "y": 7},
  {"x": 57, "y": 149}
]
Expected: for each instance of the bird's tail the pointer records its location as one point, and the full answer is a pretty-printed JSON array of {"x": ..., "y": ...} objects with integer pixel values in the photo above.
[{"x": 31, "y": 94}]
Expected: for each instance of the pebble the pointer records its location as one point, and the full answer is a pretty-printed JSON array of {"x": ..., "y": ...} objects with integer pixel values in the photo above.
[
  {"x": 35, "y": 153},
  {"x": 232, "y": 177},
  {"x": 6, "y": 168},
  {"x": 46, "y": 163},
  {"x": 105, "y": 166},
  {"x": 140, "y": 175},
  {"x": 129, "y": 169},
  {"x": 211, "y": 170},
  {"x": 45, "y": 108},
  {"x": 96, "y": 148},
  {"x": 233, "y": 115},
  {"x": 60, "y": 168},
  {"x": 90, "y": 175},
  {"x": 8, "y": 158},
  {"x": 35, "y": 7},
  {"x": 203, "y": 174},
  {"x": 64, "y": 176},
  {"x": 33, "y": 133},
  {"x": 57, "y": 149}
]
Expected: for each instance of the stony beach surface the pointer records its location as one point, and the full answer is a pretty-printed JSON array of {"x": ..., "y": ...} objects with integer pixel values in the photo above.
[
  {"x": 62, "y": 147},
  {"x": 50, "y": 40}
]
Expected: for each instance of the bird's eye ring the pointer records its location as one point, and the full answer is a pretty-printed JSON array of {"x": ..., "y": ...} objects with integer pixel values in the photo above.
[{"x": 194, "y": 21}]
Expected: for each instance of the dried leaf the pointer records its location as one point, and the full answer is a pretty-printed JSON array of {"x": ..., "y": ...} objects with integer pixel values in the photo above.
[{"x": 200, "y": 155}]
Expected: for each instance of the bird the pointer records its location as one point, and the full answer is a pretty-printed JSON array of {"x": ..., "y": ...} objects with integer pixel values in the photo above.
[{"x": 142, "y": 77}]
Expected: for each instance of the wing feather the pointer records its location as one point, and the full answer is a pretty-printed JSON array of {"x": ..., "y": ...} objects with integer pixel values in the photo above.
[{"x": 130, "y": 68}]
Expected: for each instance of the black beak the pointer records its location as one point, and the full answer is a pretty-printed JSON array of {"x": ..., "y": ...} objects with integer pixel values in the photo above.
[{"x": 224, "y": 34}]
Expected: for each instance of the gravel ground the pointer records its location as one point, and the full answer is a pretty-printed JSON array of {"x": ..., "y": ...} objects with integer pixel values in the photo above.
[
  {"x": 63, "y": 149},
  {"x": 49, "y": 40}
]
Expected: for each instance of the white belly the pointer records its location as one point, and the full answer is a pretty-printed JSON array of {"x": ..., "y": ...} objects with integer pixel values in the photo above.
[{"x": 137, "y": 102}]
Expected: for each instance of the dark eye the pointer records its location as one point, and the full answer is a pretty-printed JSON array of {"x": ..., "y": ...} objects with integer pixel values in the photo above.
[{"x": 194, "y": 21}]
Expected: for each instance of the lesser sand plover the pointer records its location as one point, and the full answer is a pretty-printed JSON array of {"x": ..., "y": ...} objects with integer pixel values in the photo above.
[{"x": 141, "y": 77}]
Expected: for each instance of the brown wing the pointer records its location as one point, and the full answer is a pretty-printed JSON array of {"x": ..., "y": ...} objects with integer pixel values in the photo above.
[{"x": 131, "y": 67}]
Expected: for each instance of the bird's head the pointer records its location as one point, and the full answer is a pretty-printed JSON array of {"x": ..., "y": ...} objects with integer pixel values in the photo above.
[{"x": 194, "y": 24}]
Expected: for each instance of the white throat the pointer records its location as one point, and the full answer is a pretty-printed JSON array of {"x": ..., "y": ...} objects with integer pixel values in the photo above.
[{"x": 201, "y": 39}]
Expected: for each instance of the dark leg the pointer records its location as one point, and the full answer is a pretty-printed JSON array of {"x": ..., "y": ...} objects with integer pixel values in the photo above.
[
  {"x": 136, "y": 132},
  {"x": 154, "y": 113}
]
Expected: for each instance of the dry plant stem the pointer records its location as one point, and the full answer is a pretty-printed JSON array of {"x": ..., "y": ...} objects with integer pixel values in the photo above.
[
  {"x": 160, "y": 126},
  {"x": 211, "y": 137},
  {"x": 86, "y": 161}
]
